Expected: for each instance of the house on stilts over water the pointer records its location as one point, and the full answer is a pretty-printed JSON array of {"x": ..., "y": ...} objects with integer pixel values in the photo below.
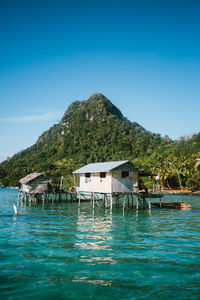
[
  {"x": 114, "y": 180},
  {"x": 103, "y": 183},
  {"x": 35, "y": 185},
  {"x": 108, "y": 177}
]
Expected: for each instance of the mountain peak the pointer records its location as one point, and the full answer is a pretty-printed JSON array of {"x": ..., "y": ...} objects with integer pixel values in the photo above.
[
  {"x": 97, "y": 97},
  {"x": 96, "y": 105}
]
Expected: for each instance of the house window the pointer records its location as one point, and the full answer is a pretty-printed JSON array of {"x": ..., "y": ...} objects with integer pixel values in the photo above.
[
  {"x": 87, "y": 177},
  {"x": 103, "y": 175},
  {"x": 125, "y": 174}
]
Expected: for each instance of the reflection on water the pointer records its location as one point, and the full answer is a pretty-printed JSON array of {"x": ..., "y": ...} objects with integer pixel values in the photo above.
[
  {"x": 94, "y": 234},
  {"x": 55, "y": 250},
  {"x": 95, "y": 281}
]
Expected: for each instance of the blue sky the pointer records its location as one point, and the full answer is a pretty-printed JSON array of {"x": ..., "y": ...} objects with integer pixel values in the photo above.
[{"x": 142, "y": 55}]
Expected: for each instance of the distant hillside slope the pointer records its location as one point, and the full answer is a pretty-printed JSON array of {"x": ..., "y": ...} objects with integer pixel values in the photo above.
[{"x": 92, "y": 131}]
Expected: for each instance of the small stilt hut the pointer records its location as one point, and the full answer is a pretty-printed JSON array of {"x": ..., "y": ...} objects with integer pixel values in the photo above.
[{"x": 35, "y": 184}]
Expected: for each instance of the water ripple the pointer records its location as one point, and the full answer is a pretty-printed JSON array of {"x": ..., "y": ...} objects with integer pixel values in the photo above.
[{"x": 59, "y": 251}]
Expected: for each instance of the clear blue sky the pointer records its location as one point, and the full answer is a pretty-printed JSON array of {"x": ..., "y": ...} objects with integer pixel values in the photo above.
[{"x": 142, "y": 55}]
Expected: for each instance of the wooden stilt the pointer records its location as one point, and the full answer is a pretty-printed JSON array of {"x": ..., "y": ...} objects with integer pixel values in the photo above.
[
  {"x": 123, "y": 204},
  {"x": 18, "y": 195},
  {"x": 137, "y": 202},
  {"x": 79, "y": 200},
  {"x": 24, "y": 197},
  {"x": 106, "y": 201},
  {"x": 111, "y": 201},
  {"x": 128, "y": 199},
  {"x": 15, "y": 209},
  {"x": 132, "y": 200},
  {"x": 92, "y": 200},
  {"x": 149, "y": 204},
  {"x": 117, "y": 200}
]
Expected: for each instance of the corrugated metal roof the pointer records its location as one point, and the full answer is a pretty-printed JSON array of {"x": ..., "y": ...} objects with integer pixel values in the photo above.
[{"x": 100, "y": 167}]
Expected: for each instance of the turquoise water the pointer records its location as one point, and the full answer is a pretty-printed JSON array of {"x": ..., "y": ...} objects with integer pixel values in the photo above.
[{"x": 56, "y": 251}]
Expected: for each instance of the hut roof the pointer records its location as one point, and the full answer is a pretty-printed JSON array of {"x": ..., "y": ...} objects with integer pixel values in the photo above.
[
  {"x": 101, "y": 167},
  {"x": 30, "y": 177}
]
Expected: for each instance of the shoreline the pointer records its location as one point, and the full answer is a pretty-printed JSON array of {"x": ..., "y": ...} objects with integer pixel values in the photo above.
[{"x": 179, "y": 192}]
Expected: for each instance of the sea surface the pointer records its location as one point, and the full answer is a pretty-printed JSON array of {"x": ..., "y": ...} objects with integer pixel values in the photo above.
[{"x": 57, "y": 251}]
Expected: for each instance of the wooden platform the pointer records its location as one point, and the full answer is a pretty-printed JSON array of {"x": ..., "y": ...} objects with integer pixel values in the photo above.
[
  {"x": 124, "y": 200},
  {"x": 151, "y": 195},
  {"x": 45, "y": 197}
]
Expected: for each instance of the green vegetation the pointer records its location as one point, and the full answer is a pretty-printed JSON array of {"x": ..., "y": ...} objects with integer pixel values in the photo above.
[{"x": 95, "y": 130}]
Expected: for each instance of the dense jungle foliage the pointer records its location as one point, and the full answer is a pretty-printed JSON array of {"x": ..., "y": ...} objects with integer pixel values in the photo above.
[{"x": 95, "y": 130}]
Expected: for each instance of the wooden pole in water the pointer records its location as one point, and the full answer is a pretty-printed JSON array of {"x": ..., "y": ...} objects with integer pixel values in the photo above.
[
  {"x": 25, "y": 197},
  {"x": 149, "y": 204},
  {"x": 18, "y": 195},
  {"x": 117, "y": 200},
  {"x": 15, "y": 209},
  {"x": 128, "y": 199},
  {"x": 123, "y": 204},
  {"x": 22, "y": 197},
  {"x": 136, "y": 202},
  {"x": 79, "y": 200},
  {"x": 132, "y": 199},
  {"x": 110, "y": 201},
  {"x": 93, "y": 200}
]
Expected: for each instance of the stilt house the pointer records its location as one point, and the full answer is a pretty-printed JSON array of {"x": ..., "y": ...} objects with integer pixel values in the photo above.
[
  {"x": 108, "y": 177},
  {"x": 35, "y": 183}
]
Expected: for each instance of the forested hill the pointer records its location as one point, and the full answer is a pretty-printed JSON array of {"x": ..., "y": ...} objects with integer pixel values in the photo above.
[{"x": 95, "y": 130}]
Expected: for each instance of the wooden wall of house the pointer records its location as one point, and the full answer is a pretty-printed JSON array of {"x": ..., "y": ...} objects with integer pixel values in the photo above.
[
  {"x": 125, "y": 185},
  {"x": 122, "y": 185},
  {"x": 95, "y": 184},
  {"x": 113, "y": 183},
  {"x": 37, "y": 185}
]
